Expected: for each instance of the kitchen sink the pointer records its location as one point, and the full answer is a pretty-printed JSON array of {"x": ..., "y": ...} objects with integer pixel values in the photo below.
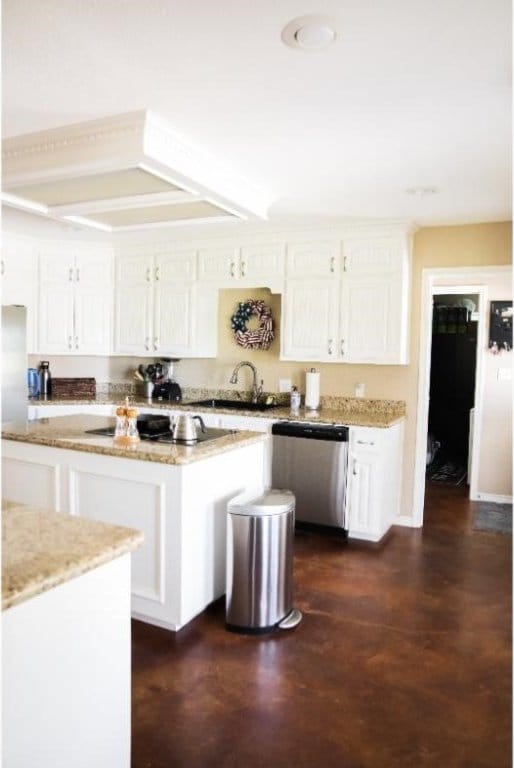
[{"x": 236, "y": 405}]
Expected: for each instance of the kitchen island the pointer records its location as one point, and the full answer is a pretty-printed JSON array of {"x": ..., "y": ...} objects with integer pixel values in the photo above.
[
  {"x": 176, "y": 495},
  {"x": 65, "y": 640}
]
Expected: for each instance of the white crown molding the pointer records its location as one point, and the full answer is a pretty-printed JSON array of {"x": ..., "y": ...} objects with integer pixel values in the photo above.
[{"x": 134, "y": 140}]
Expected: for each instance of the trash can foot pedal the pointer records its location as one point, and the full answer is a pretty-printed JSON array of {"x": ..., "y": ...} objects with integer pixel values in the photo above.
[{"x": 291, "y": 620}]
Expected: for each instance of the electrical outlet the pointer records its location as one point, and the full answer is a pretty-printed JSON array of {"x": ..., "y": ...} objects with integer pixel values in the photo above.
[{"x": 284, "y": 385}]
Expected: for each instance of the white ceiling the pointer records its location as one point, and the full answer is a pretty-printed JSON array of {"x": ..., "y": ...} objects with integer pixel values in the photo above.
[{"x": 413, "y": 93}]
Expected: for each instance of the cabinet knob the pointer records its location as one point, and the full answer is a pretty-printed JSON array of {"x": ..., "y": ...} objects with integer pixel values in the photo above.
[
  {"x": 157, "y": 273},
  {"x": 332, "y": 264},
  {"x": 76, "y": 342},
  {"x": 148, "y": 275},
  {"x": 243, "y": 269},
  {"x": 330, "y": 346},
  {"x": 232, "y": 269},
  {"x": 70, "y": 342}
]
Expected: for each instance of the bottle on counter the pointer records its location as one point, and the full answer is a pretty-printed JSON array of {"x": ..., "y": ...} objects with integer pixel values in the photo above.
[
  {"x": 132, "y": 430},
  {"x": 295, "y": 399},
  {"x": 120, "y": 430},
  {"x": 45, "y": 379}
]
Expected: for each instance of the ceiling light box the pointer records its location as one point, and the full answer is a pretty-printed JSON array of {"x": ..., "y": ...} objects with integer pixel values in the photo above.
[{"x": 121, "y": 173}]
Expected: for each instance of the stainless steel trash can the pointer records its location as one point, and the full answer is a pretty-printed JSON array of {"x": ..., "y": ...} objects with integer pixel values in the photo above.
[{"x": 260, "y": 532}]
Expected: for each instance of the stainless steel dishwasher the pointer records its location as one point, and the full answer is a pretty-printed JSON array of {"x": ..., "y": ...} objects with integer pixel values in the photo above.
[{"x": 311, "y": 460}]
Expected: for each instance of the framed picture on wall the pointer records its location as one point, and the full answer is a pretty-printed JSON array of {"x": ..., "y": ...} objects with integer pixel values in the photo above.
[{"x": 500, "y": 326}]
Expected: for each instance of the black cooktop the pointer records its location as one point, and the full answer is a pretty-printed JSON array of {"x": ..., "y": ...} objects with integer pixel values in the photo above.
[{"x": 211, "y": 433}]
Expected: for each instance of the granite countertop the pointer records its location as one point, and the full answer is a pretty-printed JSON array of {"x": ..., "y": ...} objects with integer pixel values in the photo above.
[
  {"x": 350, "y": 411},
  {"x": 69, "y": 432},
  {"x": 41, "y": 549}
]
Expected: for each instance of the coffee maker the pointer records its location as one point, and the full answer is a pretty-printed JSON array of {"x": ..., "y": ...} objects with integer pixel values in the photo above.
[{"x": 165, "y": 388}]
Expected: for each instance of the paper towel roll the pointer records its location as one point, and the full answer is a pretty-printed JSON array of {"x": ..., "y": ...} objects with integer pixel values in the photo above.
[{"x": 312, "y": 390}]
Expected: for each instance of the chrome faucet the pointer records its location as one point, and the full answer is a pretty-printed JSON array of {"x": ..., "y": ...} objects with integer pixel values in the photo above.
[{"x": 256, "y": 391}]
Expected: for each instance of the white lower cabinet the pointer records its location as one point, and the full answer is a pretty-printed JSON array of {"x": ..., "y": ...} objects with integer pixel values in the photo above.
[
  {"x": 374, "y": 480},
  {"x": 181, "y": 510}
]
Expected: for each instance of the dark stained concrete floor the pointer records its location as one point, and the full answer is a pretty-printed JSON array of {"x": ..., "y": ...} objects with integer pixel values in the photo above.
[{"x": 403, "y": 658}]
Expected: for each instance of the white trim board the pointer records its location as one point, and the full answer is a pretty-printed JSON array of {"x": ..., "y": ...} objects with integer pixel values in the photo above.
[{"x": 436, "y": 281}]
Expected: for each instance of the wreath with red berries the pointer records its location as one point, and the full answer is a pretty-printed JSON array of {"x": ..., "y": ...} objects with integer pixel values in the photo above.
[{"x": 257, "y": 338}]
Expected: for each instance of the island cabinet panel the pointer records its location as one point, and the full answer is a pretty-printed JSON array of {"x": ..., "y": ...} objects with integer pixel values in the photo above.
[
  {"x": 33, "y": 479},
  {"x": 134, "y": 504},
  {"x": 181, "y": 509},
  {"x": 66, "y": 674}
]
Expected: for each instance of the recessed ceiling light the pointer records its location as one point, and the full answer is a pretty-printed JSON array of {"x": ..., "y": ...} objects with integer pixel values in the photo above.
[
  {"x": 310, "y": 33},
  {"x": 421, "y": 191}
]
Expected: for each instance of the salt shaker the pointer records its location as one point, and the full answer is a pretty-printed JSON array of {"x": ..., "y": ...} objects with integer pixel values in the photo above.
[
  {"x": 120, "y": 430},
  {"x": 295, "y": 399},
  {"x": 132, "y": 431}
]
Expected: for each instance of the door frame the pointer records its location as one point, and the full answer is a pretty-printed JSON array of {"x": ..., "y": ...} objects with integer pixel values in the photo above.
[{"x": 436, "y": 281}]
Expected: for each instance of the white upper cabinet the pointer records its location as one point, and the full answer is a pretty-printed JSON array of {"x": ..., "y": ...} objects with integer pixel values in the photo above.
[
  {"x": 258, "y": 264},
  {"x": 310, "y": 320},
  {"x": 313, "y": 258},
  {"x": 369, "y": 286},
  {"x": 19, "y": 270},
  {"x": 75, "y": 299},
  {"x": 160, "y": 306}
]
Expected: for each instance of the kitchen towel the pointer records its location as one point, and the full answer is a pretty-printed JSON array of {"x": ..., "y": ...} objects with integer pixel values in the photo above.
[{"x": 312, "y": 389}]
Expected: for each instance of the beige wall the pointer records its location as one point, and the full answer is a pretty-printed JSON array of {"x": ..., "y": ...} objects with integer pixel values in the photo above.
[{"x": 458, "y": 246}]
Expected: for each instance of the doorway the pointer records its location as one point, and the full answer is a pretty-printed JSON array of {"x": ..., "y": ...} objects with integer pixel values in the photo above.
[{"x": 453, "y": 361}]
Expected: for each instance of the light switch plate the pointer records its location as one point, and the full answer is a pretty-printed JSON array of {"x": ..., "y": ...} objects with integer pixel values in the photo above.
[
  {"x": 284, "y": 385},
  {"x": 504, "y": 374}
]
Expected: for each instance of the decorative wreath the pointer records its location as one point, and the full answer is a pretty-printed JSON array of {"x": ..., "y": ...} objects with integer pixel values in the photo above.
[{"x": 260, "y": 338}]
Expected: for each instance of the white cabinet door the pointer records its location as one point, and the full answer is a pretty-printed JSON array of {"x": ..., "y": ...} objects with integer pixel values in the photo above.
[
  {"x": 370, "y": 330},
  {"x": 171, "y": 265},
  {"x": 56, "y": 332},
  {"x": 93, "y": 311},
  {"x": 259, "y": 263},
  {"x": 133, "y": 319},
  {"x": 220, "y": 264},
  {"x": 370, "y": 255},
  {"x": 93, "y": 267},
  {"x": 174, "y": 319},
  {"x": 374, "y": 479},
  {"x": 313, "y": 259},
  {"x": 75, "y": 300},
  {"x": 310, "y": 323}
]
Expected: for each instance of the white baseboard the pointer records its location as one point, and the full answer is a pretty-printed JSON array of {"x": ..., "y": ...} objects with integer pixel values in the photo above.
[
  {"x": 406, "y": 521},
  {"x": 495, "y": 498}
]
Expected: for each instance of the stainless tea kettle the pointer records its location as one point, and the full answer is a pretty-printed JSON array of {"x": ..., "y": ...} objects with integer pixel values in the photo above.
[{"x": 184, "y": 429}]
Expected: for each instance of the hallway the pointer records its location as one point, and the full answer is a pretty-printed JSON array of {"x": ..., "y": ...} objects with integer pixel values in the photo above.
[{"x": 403, "y": 659}]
